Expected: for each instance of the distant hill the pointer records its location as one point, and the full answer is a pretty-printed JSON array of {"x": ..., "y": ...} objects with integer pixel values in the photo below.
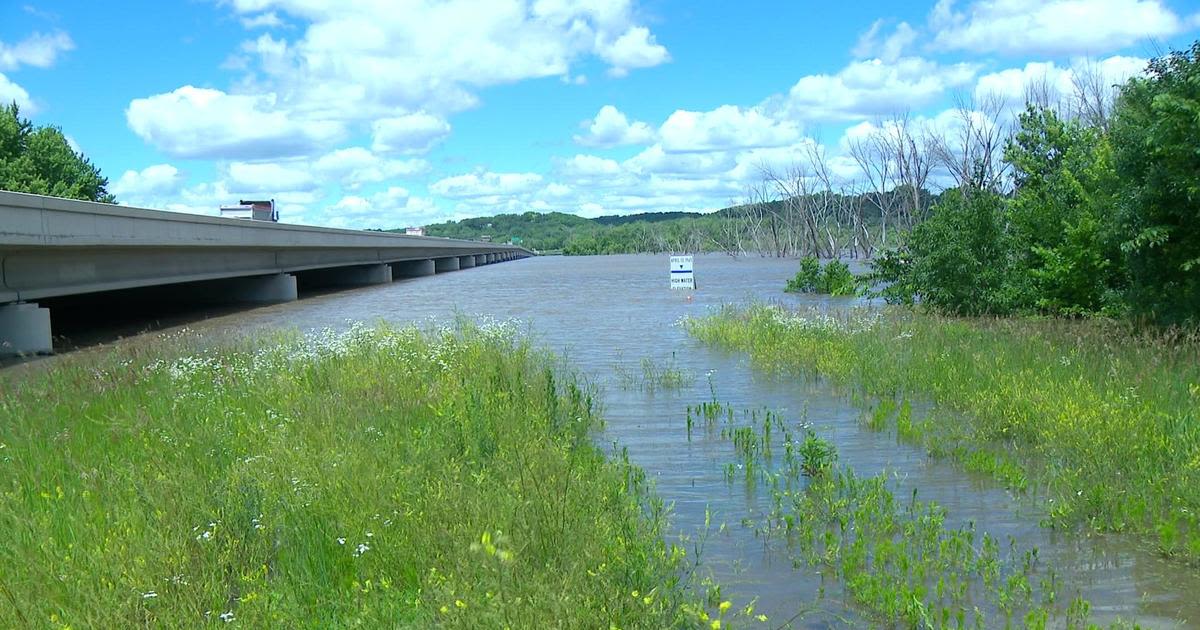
[
  {"x": 733, "y": 228},
  {"x": 544, "y": 231}
]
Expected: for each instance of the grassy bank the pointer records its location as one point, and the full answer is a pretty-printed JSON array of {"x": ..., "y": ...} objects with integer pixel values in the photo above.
[
  {"x": 377, "y": 478},
  {"x": 1102, "y": 424}
]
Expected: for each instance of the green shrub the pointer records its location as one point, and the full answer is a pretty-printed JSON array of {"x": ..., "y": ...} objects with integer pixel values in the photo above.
[{"x": 835, "y": 278}]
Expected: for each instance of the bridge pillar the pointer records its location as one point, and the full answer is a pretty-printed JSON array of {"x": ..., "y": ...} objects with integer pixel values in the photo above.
[
  {"x": 466, "y": 262},
  {"x": 24, "y": 329},
  {"x": 441, "y": 265},
  {"x": 413, "y": 268},
  {"x": 280, "y": 287},
  {"x": 364, "y": 275},
  {"x": 480, "y": 259},
  {"x": 491, "y": 258},
  {"x": 352, "y": 276}
]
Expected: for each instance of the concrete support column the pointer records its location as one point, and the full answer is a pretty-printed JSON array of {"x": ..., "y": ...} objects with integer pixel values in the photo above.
[
  {"x": 413, "y": 268},
  {"x": 441, "y": 265},
  {"x": 367, "y": 274},
  {"x": 24, "y": 329},
  {"x": 491, "y": 258},
  {"x": 480, "y": 259},
  {"x": 466, "y": 262},
  {"x": 280, "y": 287},
  {"x": 355, "y": 276}
]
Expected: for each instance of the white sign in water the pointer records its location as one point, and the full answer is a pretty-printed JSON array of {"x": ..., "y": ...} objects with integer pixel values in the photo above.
[{"x": 681, "y": 273}]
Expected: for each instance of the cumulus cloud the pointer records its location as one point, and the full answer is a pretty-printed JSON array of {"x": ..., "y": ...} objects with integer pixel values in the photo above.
[
  {"x": 356, "y": 166},
  {"x": 590, "y": 166},
  {"x": 636, "y": 48},
  {"x": 269, "y": 19},
  {"x": 11, "y": 92},
  {"x": 411, "y": 133},
  {"x": 724, "y": 128},
  {"x": 872, "y": 88},
  {"x": 153, "y": 181},
  {"x": 193, "y": 122},
  {"x": 433, "y": 55},
  {"x": 393, "y": 207},
  {"x": 611, "y": 128},
  {"x": 1012, "y": 84},
  {"x": 269, "y": 177},
  {"x": 37, "y": 50},
  {"x": 873, "y": 43},
  {"x": 1050, "y": 26},
  {"x": 485, "y": 184}
]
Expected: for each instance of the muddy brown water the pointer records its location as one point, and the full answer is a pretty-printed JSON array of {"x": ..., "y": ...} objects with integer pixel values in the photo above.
[{"x": 607, "y": 314}]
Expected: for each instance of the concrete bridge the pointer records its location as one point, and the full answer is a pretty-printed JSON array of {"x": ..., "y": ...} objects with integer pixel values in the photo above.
[{"x": 51, "y": 247}]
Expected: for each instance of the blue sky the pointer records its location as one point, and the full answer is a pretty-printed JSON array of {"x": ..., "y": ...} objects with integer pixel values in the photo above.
[{"x": 405, "y": 112}]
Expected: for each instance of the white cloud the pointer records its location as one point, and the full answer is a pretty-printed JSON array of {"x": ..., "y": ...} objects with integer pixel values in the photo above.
[
  {"x": 356, "y": 166},
  {"x": 37, "y": 50},
  {"x": 611, "y": 128},
  {"x": 411, "y": 133},
  {"x": 656, "y": 161},
  {"x": 372, "y": 57},
  {"x": 269, "y": 19},
  {"x": 153, "y": 181},
  {"x": 1050, "y": 26},
  {"x": 1011, "y": 84},
  {"x": 393, "y": 207},
  {"x": 636, "y": 48},
  {"x": 193, "y": 122},
  {"x": 486, "y": 184},
  {"x": 11, "y": 92},
  {"x": 269, "y": 177},
  {"x": 872, "y": 88},
  {"x": 889, "y": 48},
  {"x": 724, "y": 128},
  {"x": 590, "y": 166}
]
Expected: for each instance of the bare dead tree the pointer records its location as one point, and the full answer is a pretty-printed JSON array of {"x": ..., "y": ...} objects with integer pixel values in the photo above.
[
  {"x": 1093, "y": 97},
  {"x": 973, "y": 152}
]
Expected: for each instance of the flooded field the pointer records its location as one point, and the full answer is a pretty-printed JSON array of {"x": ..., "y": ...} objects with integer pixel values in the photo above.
[{"x": 615, "y": 319}]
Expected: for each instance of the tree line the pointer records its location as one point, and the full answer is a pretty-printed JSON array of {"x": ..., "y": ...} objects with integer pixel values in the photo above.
[{"x": 1090, "y": 204}]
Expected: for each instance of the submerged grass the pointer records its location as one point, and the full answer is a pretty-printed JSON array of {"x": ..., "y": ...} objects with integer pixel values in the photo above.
[
  {"x": 376, "y": 478},
  {"x": 1104, "y": 423},
  {"x": 654, "y": 377},
  {"x": 896, "y": 558}
]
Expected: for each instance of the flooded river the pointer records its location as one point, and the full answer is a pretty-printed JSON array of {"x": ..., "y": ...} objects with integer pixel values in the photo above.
[{"x": 607, "y": 314}]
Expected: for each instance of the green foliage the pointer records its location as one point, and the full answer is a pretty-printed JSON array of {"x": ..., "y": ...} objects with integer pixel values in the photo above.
[
  {"x": 1156, "y": 131},
  {"x": 1063, "y": 214},
  {"x": 817, "y": 455},
  {"x": 41, "y": 161},
  {"x": 808, "y": 278},
  {"x": 834, "y": 278},
  {"x": 963, "y": 257},
  {"x": 380, "y": 478}
]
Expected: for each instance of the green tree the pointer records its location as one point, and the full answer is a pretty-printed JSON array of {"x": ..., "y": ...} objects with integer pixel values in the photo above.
[
  {"x": 962, "y": 258},
  {"x": 1062, "y": 213},
  {"x": 41, "y": 161},
  {"x": 1156, "y": 132}
]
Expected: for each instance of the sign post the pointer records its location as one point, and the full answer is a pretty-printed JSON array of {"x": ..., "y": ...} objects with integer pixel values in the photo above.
[{"x": 681, "y": 273}]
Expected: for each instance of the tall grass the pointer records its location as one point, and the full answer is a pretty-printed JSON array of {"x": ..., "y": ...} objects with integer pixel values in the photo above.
[
  {"x": 377, "y": 478},
  {"x": 1105, "y": 422}
]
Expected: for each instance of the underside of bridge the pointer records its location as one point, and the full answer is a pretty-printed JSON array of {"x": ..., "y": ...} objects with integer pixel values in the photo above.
[
  {"x": 68, "y": 321},
  {"x": 63, "y": 260}
]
